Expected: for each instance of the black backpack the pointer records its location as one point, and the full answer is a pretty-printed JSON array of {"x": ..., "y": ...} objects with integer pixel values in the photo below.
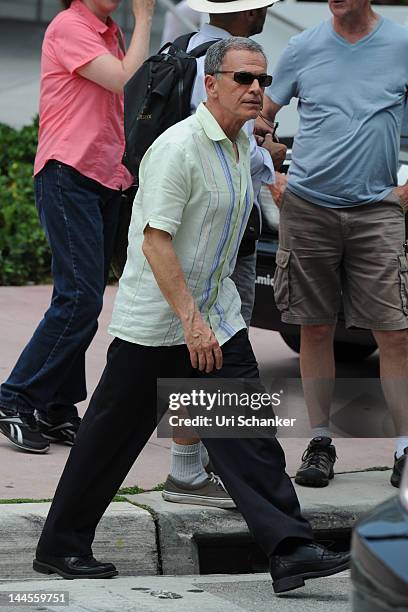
[{"x": 158, "y": 96}]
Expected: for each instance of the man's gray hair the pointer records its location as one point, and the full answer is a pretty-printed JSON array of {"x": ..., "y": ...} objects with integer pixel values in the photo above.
[{"x": 217, "y": 52}]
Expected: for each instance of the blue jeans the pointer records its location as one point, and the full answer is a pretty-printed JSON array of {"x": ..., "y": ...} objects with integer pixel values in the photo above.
[{"x": 79, "y": 217}]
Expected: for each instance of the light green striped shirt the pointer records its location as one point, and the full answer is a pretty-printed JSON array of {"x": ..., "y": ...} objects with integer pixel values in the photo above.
[{"x": 192, "y": 187}]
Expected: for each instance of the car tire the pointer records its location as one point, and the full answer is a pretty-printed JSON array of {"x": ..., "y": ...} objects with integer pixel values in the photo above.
[{"x": 343, "y": 351}]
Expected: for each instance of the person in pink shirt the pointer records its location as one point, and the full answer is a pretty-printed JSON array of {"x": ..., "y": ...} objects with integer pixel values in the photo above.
[{"x": 79, "y": 181}]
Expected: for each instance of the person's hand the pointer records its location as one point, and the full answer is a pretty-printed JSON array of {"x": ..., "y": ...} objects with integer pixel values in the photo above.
[
  {"x": 277, "y": 151},
  {"x": 205, "y": 352},
  {"x": 261, "y": 128},
  {"x": 402, "y": 193},
  {"x": 278, "y": 188},
  {"x": 265, "y": 125},
  {"x": 143, "y": 8}
]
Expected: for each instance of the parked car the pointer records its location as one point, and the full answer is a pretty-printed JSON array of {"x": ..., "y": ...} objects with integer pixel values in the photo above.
[
  {"x": 349, "y": 344},
  {"x": 379, "y": 567}
]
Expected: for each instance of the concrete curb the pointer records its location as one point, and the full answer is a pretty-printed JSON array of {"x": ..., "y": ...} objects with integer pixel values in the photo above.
[
  {"x": 336, "y": 507},
  {"x": 126, "y": 536},
  {"x": 163, "y": 540}
]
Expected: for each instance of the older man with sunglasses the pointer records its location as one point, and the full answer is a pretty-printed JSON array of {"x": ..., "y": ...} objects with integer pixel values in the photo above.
[
  {"x": 189, "y": 479},
  {"x": 177, "y": 310}
]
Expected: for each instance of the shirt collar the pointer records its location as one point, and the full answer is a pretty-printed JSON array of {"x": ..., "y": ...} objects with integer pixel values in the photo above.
[
  {"x": 92, "y": 19},
  {"x": 213, "y": 129},
  {"x": 210, "y": 31}
]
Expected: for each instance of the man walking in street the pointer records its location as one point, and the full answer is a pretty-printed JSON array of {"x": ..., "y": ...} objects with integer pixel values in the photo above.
[
  {"x": 189, "y": 481},
  {"x": 342, "y": 226},
  {"x": 178, "y": 312}
]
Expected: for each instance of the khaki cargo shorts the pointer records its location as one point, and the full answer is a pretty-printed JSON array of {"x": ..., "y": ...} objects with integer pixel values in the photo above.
[{"x": 353, "y": 257}]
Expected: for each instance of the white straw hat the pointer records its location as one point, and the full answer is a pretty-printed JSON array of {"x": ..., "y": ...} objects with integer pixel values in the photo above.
[{"x": 228, "y": 6}]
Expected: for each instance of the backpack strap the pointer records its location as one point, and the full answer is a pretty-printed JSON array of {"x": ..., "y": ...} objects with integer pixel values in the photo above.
[
  {"x": 182, "y": 43},
  {"x": 202, "y": 49}
]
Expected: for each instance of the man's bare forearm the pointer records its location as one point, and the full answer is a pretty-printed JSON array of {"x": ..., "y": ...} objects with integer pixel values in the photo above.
[
  {"x": 270, "y": 109},
  {"x": 159, "y": 252},
  {"x": 205, "y": 352}
]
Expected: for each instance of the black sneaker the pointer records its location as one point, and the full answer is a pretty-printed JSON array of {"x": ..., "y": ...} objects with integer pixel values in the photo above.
[
  {"x": 62, "y": 430},
  {"x": 398, "y": 468},
  {"x": 317, "y": 463},
  {"x": 22, "y": 431}
]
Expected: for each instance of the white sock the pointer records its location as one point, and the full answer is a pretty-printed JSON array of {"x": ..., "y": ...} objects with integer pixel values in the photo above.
[
  {"x": 321, "y": 432},
  {"x": 401, "y": 444},
  {"x": 186, "y": 465},
  {"x": 205, "y": 459}
]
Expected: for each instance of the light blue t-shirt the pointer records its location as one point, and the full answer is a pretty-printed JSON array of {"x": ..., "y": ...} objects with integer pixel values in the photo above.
[{"x": 351, "y": 102}]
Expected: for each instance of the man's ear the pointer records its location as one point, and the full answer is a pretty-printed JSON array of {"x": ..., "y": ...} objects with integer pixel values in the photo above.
[
  {"x": 211, "y": 86},
  {"x": 247, "y": 19}
]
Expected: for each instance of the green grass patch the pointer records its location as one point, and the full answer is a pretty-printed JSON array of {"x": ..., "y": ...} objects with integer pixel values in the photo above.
[
  {"x": 159, "y": 487},
  {"x": 131, "y": 490},
  {"x": 119, "y": 497},
  {"x": 24, "y": 501}
]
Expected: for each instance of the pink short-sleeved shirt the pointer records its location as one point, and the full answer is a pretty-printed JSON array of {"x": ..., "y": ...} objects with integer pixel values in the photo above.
[{"x": 81, "y": 123}]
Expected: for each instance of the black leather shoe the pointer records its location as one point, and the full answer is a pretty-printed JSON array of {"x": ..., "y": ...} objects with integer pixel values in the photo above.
[
  {"x": 73, "y": 567},
  {"x": 289, "y": 571}
]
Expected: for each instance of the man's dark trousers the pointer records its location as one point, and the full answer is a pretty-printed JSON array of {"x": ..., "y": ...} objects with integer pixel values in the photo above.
[{"x": 117, "y": 425}]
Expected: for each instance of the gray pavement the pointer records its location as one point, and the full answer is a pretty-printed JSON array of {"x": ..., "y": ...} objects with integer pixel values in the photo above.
[
  {"x": 145, "y": 535},
  {"x": 35, "y": 476},
  {"x": 154, "y": 539},
  {"x": 219, "y": 593},
  {"x": 162, "y": 537}
]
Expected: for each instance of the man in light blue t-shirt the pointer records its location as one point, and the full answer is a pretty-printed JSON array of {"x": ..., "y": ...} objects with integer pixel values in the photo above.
[{"x": 342, "y": 226}]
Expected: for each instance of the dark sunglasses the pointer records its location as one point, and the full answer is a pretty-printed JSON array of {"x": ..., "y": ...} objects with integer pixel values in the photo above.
[{"x": 247, "y": 78}]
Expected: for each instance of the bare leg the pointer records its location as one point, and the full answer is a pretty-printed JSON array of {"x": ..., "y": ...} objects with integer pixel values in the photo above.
[
  {"x": 318, "y": 375},
  {"x": 318, "y": 371}
]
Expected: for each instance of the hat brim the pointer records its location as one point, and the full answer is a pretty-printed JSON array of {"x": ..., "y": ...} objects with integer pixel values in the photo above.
[{"x": 234, "y": 6}]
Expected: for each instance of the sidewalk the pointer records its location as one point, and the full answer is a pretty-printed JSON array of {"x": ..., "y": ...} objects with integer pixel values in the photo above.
[
  {"x": 184, "y": 594},
  {"x": 161, "y": 548},
  {"x": 35, "y": 476},
  {"x": 144, "y": 535}
]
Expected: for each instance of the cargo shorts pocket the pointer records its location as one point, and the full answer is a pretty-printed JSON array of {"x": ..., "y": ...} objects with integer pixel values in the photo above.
[
  {"x": 403, "y": 274},
  {"x": 281, "y": 279}
]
